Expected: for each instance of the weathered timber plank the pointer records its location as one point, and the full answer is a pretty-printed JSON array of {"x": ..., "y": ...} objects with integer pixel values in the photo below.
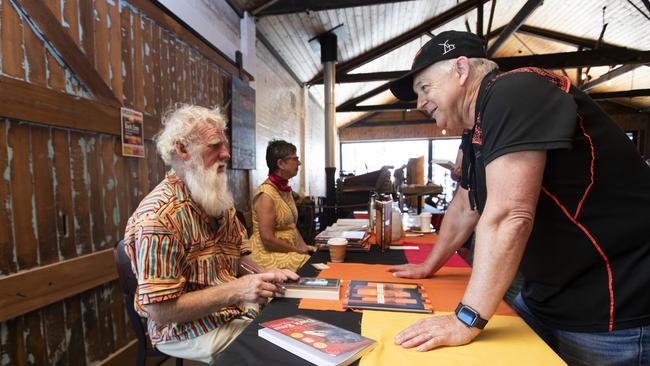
[
  {"x": 26, "y": 291},
  {"x": 80, "y": 195},
  {"x": 7, "y": 254},
  {"x": 63, "y": 193},
  {"x": 22, "y": 194},
  {"x": 42, "y": 154},
  {"x": 12, "y": 38}
]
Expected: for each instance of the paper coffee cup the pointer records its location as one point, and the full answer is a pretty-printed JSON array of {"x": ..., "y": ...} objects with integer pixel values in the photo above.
[
  {"x": 425, "y": 222},
  {"x": 337, "y": 249}
]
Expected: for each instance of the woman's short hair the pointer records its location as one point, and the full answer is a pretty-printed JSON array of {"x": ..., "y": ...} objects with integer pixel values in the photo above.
[{"x": 278, "y": 149}]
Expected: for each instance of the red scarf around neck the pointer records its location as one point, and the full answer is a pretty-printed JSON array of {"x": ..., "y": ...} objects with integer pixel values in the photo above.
[{"x": 281, "y": 183}]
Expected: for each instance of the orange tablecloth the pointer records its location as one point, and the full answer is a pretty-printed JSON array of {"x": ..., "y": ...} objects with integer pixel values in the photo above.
[{"x": 445, "y": 289}]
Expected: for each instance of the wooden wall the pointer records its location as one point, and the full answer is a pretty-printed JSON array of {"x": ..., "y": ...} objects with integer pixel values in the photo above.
[{"x": 65, "y": 190}]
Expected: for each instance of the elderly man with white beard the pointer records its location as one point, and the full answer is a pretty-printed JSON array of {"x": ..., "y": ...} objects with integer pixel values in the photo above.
[{"x": 186, "y": 245}]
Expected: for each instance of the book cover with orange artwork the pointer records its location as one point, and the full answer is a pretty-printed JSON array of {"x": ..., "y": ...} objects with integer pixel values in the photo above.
[
  {"x": 316, "y": 341},
  {"x": 392, "y": 296}
]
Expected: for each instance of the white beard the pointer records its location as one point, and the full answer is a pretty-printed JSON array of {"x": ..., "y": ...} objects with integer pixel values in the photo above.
[{"x": 209, "y": 188}]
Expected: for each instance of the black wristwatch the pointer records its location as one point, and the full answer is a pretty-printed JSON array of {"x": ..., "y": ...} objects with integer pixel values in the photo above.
[{"x": 469, "y": 316}]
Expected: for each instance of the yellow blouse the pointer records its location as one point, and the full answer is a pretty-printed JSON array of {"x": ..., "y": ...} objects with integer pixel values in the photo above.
[{"x": 286, "y": 217}]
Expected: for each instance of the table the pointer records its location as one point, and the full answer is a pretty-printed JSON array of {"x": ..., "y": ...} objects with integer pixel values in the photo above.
[{"x": 249, "y": 349}]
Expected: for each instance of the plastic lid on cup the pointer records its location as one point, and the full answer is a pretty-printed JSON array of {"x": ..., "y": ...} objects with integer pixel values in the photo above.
[{"x": 337, "y": 241}]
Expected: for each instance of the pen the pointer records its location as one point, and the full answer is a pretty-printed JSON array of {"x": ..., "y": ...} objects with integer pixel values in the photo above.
[{"x": 255, "y": 270}]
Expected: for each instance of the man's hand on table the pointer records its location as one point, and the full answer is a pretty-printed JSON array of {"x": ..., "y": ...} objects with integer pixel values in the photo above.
[
  {"x": 429, "y": 333},
  {"x": 258, "y": 288},
  {"x": 410, "y": 270}
]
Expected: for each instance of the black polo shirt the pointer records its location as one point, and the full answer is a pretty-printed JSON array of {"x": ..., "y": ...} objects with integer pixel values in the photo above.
[{"x": 587, "y": 261}]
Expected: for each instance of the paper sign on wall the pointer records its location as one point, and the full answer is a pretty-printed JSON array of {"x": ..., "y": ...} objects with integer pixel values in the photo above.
[{"x": 132, "y": 133}]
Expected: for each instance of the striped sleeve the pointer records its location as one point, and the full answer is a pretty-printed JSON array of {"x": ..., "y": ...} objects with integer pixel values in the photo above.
[{"x": 160, "y": 262}]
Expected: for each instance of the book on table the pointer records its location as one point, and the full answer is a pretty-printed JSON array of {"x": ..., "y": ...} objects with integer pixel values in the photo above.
[
  {"x": 316, "y": 341},
  {"x": 391, "y": 296},
  {"x": 352, "y": 235},
  {"x": 312, "y": 288},
  {"x": 358, "y": 241}
]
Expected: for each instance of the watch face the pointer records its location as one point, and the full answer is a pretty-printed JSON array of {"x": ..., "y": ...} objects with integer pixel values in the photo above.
[{"x": 466, "y": 316}]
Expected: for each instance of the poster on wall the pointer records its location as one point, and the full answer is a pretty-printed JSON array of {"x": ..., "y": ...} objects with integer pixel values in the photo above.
[
  {"x": 132, "y": 133},
  {"x": 243, "y": 125}
]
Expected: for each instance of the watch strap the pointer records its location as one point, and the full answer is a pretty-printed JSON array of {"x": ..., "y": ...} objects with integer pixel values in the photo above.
[{"x": 479, "y": 322}]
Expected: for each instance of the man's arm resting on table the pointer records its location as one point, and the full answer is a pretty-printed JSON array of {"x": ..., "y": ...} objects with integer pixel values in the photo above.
[
  {"x": 513, "y": 181},
  {"x": 457, "y": 226},
  {"x": 197, "y": 304}
]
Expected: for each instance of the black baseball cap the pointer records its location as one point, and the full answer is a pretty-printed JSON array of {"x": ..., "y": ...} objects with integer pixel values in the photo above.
[{"x": 445, "y": 46}]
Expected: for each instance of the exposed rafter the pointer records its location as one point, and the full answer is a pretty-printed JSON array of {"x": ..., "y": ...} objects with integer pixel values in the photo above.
[
  {"x": 609, "y": 76},
  {"x": 564, "y": 38},
  {"x": 402, "y": 106},
  {"x": 402, "y": 39},
  {"x": 601, "y": 57},
  {"x": 302, "y": 6},
  {"x": 621, "y": 94},
  {"x": 391, "y": 118},
  {"x": 514, "y": 24},
  {"x": 377, "y": 107},
  {"x": 647, "y": 4},
  {"x": 354, "y": 101},
  {"x": 368, "y": 76}
]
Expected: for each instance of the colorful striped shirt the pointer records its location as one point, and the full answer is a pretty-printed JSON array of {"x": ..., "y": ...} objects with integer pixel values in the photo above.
[{"x": 174, "y": 249}]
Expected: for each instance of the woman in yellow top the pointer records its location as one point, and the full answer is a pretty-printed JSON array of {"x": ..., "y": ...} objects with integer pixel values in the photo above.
[{"x": 276, "y": 242}]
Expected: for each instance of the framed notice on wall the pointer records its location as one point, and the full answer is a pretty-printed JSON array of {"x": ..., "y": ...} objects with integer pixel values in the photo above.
[
  {"x": 132, "y": 133},
  {"x": 243, "y": 125}
]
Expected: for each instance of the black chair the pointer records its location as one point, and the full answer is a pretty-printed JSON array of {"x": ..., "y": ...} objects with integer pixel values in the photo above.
[{"x": 129, "y": 283}]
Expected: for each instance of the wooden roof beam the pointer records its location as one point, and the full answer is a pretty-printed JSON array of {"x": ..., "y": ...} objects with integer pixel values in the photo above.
[
  {"x": 303, "y": 6},
  {"x": 610, "y": 75},
  {"x": 364, "y": 96},
  {"x": 621, "y": 94},
  {"x": 402, "y": 39},
  {"x": 601, "y": 57},
  {"x": 564, "y": 38},
  {"x": 402, "y": 106},
  {"x": 514, "y": 24},
  {"x": 379, "y": 107}
]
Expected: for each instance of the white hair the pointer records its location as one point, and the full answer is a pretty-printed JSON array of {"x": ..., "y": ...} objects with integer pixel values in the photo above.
[
  {"x": 480, "y": 66},
  {"x": 179, "y": 125}
]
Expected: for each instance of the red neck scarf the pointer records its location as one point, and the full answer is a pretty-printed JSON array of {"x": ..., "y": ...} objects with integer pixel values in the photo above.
[{"x": 280, "y": 182}]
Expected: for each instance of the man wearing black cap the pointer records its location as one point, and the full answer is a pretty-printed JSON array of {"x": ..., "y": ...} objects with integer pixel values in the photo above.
[{"x": 552, "y": 186}]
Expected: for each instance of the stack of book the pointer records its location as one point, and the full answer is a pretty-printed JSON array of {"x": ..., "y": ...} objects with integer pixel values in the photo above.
[
  {"x": 312, "y": 288},
  {"x": 358, "y": 241},
  {"x": 318, "y": 342}
]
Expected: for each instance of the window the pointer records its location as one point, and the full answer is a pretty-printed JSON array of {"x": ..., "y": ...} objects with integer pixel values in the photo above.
[
  {"x": 445, "y": 149},
  {"x": 363, "y": 157}
]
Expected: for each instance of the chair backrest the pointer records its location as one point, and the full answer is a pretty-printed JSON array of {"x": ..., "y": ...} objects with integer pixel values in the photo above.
[{"x": 128, "y": 283}]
